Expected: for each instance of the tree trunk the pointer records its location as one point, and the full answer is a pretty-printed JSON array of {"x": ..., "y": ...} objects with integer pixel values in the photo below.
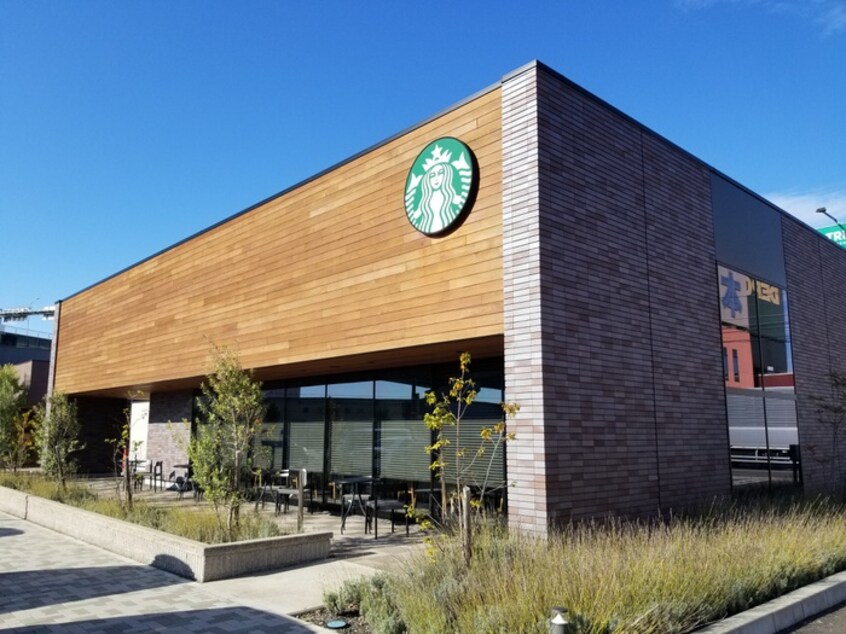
[
  {"x": 232, "y": 522},
  {"x": 443, "y": 497},
  {"x": 128, "y": 481},
  {"x": 466, "y": 532}
]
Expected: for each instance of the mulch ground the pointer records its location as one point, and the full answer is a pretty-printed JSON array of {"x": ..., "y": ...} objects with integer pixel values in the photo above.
[{"x": 355, "y": 622}]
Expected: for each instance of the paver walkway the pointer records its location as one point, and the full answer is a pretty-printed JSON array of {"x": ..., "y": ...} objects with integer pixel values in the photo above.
[{"x": 53, "y": 583}]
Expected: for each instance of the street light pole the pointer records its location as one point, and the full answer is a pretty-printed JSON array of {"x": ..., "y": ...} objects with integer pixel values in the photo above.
[{"x": 824, "y": 211}]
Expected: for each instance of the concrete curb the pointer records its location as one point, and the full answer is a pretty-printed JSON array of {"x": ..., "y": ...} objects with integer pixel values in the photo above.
[
  {"x": 181, "y": 556},
  {"x": 785, "y": 611}
]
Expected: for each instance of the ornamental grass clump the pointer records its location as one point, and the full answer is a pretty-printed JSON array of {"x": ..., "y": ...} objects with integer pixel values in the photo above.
[
  {"x": 658, "y": 577},
  {"x": 41, "y": 485},
  {"x": 199, "y": 523}
]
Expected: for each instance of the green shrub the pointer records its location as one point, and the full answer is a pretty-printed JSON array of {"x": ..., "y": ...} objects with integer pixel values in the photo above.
[
  {"x": 347, "y": 598},
  {"x": 373, "y": 598}
]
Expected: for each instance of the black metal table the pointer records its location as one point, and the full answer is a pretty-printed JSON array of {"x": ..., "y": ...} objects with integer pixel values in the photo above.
[{"x": 356, "y": 484}]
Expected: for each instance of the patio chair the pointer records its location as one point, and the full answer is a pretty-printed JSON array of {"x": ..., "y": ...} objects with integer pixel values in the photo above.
[
  {"x": 141, "y": 469},
  {"x": 157, "y": 477},
  {"x": 394, "y": 508}
]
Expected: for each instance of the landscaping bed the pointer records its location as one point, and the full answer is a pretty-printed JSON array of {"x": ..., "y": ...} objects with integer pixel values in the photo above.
[
  {"x": 654, "y": 577},
  {"x": 185, "y": 557}
]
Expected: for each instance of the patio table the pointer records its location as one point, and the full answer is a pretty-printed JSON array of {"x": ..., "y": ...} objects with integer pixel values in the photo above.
[{"x": 356, "y": 484}]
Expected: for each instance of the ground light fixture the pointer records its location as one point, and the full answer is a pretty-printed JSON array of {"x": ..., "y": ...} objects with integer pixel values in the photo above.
[
  {"x": 337, "y": 624},
  {"x": 558, "y": 622}
]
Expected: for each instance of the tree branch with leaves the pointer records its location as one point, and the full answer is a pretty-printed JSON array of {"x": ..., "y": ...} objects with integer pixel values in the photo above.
[
  {"x": 232, "y": 410},
  {"x": 58, "y": 434},
  {"x": 15, "y": 433},
  {"x": 451, "y": 463}
]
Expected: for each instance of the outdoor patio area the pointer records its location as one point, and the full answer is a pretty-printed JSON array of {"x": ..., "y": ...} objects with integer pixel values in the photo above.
[{"x": 357, "y": 538}]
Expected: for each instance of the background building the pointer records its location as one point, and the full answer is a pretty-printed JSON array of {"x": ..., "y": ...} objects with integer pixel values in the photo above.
[
  {"x": 30, "y": 354},
  {"x": 603, "y": 278}
]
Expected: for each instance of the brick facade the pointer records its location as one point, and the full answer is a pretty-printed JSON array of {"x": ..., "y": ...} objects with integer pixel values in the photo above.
[
  {"x": 687, "y": 375},
  {"x": 167, "y": 437},
  {"x": 616, "y": 225},
  {"x": 524, "y": 377},
  {"x": 611, "y": 320},
  {"x": 815, "y": 271}
]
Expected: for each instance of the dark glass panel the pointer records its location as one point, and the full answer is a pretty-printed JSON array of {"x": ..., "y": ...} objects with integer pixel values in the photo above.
[
  {"x": 403, "y": 460},
  {"x": 351, "y": 415},
  {"x": 306, "y": 411},
  {"x": 747, "y": 231}
]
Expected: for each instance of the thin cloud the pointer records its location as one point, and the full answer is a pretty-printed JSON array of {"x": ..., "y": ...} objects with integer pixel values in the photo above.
[
  {"x": 833, "y": 19},
  {"x": 830, "y": 15},
  {"x": 804, "y": 205}
]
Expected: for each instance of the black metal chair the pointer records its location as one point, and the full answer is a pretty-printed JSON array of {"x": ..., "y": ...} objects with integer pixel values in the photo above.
[
  {"x": 158, "y": 475},
  {"x": 141, "y": 469}
]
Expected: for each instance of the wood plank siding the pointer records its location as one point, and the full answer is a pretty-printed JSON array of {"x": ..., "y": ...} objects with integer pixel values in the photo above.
[{"x": 328, "y": 270}]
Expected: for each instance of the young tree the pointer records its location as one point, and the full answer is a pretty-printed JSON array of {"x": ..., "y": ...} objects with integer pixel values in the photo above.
[
  {"x": 123, "y": 454},
  {"x": 58, "y": 430},
  {"x": 232, "y": 408},
  {"x": 12, "y": 427},
  {"x": 452, "y": 462}
]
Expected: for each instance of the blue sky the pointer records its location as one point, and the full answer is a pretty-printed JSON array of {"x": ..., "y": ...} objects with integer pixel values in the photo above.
[{"x": 127, "y": 126}]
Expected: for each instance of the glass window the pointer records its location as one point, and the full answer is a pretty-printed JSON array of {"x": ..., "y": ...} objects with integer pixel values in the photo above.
[
  {"x": 747, "y": 231},
  {"x": 403, "y": 437},
  {"x": 306, "y": 422},
  {"x": 725, "y": 364},
  {"x": 735, "y": 364},
  {"x": 462, "y": 453},
  {"x": 269, "y": 448},
  {"x": 760, "y": 394},
  {"x": 350, "y": 408}
]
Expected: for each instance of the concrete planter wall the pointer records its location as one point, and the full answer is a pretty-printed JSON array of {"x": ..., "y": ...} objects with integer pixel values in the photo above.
[{"x": 184, "y": 557}]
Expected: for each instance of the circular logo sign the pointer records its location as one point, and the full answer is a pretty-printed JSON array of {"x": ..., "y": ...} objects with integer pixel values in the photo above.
[{"x": 440, "y": 186}]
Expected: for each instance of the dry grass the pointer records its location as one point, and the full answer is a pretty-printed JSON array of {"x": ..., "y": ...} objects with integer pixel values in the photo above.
[
  {"x": 199, "y": 523},
  {"x": 620, "y": 577}
]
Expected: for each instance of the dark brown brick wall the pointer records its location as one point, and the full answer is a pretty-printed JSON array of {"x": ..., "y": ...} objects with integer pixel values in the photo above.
[
  {"x": 634, "y": 407},
  {"x": 167, "y": 436},
  {"x": 816, "y": 271},
  {"x": 692, "y": 434}
]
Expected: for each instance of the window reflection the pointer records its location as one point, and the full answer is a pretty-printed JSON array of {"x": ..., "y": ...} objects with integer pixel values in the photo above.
[
  {"x": 350, "y": 407},
  {"x": 758, "y": 374},
  {"x": 370, "y": 427},
  {"x": 269, "y": 451},
  {"x": 402, "y": 458},
  {"x": 306, "y": 413}
]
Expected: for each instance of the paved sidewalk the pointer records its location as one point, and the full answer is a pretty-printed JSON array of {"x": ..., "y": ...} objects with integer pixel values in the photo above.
[{"x": 53, "y": 583}]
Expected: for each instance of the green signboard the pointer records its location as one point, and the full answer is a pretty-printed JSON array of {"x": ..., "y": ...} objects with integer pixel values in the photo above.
[
  {"x": 440, "y": 186},
  {"x": 835, "y": 234}
]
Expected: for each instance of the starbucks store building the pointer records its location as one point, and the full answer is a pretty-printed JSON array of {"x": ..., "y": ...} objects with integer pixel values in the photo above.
[{"x": 664, "y": 330}]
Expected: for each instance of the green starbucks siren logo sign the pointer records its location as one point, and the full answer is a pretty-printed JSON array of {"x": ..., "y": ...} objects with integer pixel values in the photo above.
[{"x": 441, "y": 185}]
